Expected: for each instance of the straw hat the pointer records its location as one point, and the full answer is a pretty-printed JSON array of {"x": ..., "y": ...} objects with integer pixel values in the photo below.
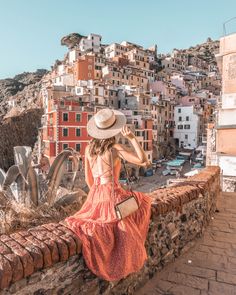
[{"x": 106, "y": 123}]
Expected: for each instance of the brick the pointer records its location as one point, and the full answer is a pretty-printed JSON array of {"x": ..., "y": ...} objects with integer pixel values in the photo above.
[
  {"x": 37, "y": 256},
  {"x": 51, "y": 226},
  {"x": 53, "y": 249},
  {"x": 24, "y": 233},
  {"x": 62, "y": 249},
  {"x": 34, "y": 251},
  {"x": 5, "y": 272},
  {"x": 71, "y": 244},
  {"x": 210, "y": 261},
  {"x": 15, "y": 236},
  {"x": 224, "y": 237},
  {"x": 65, "y": 230},
  {"x": 78, "y": 243},
  {"x": 47, "y": 258},
  {"x": 4, "y": 238},
  {"x": 4, "y": 249},
  {"x": 217, "y": 288},
  {"x": 41, "y": 234},
  {"x": 16, "y": 265},
  {"x": 26, "y": 259},
  {"x": 196, "y": 271},
  {"x": 161, "y": 287},
  {"x": 226, "y": 277},
  {"x": 188, "y": 280}
]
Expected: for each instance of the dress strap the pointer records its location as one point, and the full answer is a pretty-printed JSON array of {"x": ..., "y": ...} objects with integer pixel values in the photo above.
[
  {"x": 94, "y": 162},
  {"x": 98, "y": 178},
  {"x": 112, "y": 172}
]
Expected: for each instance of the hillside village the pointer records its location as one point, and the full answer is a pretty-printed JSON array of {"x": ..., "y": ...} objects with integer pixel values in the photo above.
[{"x": 168, "y": 98}]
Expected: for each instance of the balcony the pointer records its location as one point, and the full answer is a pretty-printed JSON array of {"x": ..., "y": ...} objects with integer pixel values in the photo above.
[
  {"x": 73, "y": 108},
  {"x": 204, "y": 139}
]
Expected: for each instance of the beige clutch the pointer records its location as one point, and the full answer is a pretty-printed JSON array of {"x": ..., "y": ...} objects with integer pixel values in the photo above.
[{"x": 126, "y": 207}]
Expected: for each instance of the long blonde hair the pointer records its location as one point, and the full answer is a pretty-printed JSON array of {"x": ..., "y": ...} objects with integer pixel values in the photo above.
[{"x": 100, "y": 146}]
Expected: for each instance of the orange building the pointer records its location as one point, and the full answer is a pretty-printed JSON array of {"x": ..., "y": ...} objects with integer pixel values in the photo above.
[{"x": 84, "y": 68}]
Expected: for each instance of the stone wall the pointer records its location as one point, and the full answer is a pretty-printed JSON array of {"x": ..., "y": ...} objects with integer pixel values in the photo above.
[
  {"x": 47, "y": 259},
  {"x": 228, "y": 183},
  {"x": 19, "y": 130}
]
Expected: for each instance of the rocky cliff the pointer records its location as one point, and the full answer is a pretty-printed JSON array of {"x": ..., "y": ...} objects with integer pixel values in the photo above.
[
  {"x": 18, "y": 130},
  {"x": 22, "y": 92},
  {"x": 20, "y": 113}
]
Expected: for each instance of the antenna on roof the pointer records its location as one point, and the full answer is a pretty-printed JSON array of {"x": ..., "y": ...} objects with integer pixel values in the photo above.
[{"x": 224, "y": 24}]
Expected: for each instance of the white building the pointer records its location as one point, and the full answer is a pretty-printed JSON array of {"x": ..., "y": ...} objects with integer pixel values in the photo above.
[
  {"x": 115, "y": 49},
  {"x": 187, "y": 126},
  {"x": 177, "y": 79},
  {"x": 91, "y": 42}
]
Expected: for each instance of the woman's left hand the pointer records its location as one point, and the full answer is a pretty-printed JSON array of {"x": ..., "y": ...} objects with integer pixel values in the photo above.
[{"x": 126, "y": 132}]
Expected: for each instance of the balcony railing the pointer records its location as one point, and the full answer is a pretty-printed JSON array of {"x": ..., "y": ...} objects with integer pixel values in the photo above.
[{"x": 72, "y": 108}]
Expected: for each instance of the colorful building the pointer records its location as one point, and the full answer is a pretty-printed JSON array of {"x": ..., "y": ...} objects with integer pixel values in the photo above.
[
  {"x": 64, "y": 123},
  {"x": 222, "y": 136}
]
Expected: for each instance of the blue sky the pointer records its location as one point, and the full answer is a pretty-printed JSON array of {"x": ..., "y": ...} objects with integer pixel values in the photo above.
[{"x": 30, "y": 30}]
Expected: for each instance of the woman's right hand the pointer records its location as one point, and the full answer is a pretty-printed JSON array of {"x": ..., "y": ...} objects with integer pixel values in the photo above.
[{"x": 126, "y": 132}]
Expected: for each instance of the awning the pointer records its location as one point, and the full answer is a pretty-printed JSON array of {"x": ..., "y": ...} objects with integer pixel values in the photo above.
[
  {"x": 200, "y": 148},
  {"x": 185, "y": 154},
  {"x": 191, "y": 173}
]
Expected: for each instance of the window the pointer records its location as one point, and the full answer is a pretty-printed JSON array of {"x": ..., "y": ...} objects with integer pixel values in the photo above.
[
  {"x": 65, "y": 146},
  {"x": 186, "y": 136},
  {"x": 77, "y": 132},
  {"x": 180, "y": 126},
  {"x": 77, "y": 147},
  {"x": 62, "y": 103},
  {"x": 65, "y": 131},
  {"x": 65, "y": 117},
  {"x": 187, "y": 118},
  {"x": 180, "y": 118},
  {"x": 78, "y": 117},
  {"x": 186, "y": 126},
  {"x": 179, "y": 110}
]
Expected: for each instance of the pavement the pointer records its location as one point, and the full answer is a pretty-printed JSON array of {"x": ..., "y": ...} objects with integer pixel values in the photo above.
[
  {"x": 150, "y": 183},
  {"x": 209, "y": 267}
]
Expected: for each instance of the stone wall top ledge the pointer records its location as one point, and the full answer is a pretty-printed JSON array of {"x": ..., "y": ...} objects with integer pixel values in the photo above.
[{"x": 28, "y": 251}]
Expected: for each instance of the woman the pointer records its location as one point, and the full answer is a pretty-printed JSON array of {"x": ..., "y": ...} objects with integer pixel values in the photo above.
[{"x": 112, "y": 248}]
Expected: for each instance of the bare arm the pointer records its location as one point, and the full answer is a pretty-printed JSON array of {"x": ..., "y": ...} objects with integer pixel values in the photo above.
[
  {"x": 140, "y": 158},
  {"x": 88, "y": 173}
]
